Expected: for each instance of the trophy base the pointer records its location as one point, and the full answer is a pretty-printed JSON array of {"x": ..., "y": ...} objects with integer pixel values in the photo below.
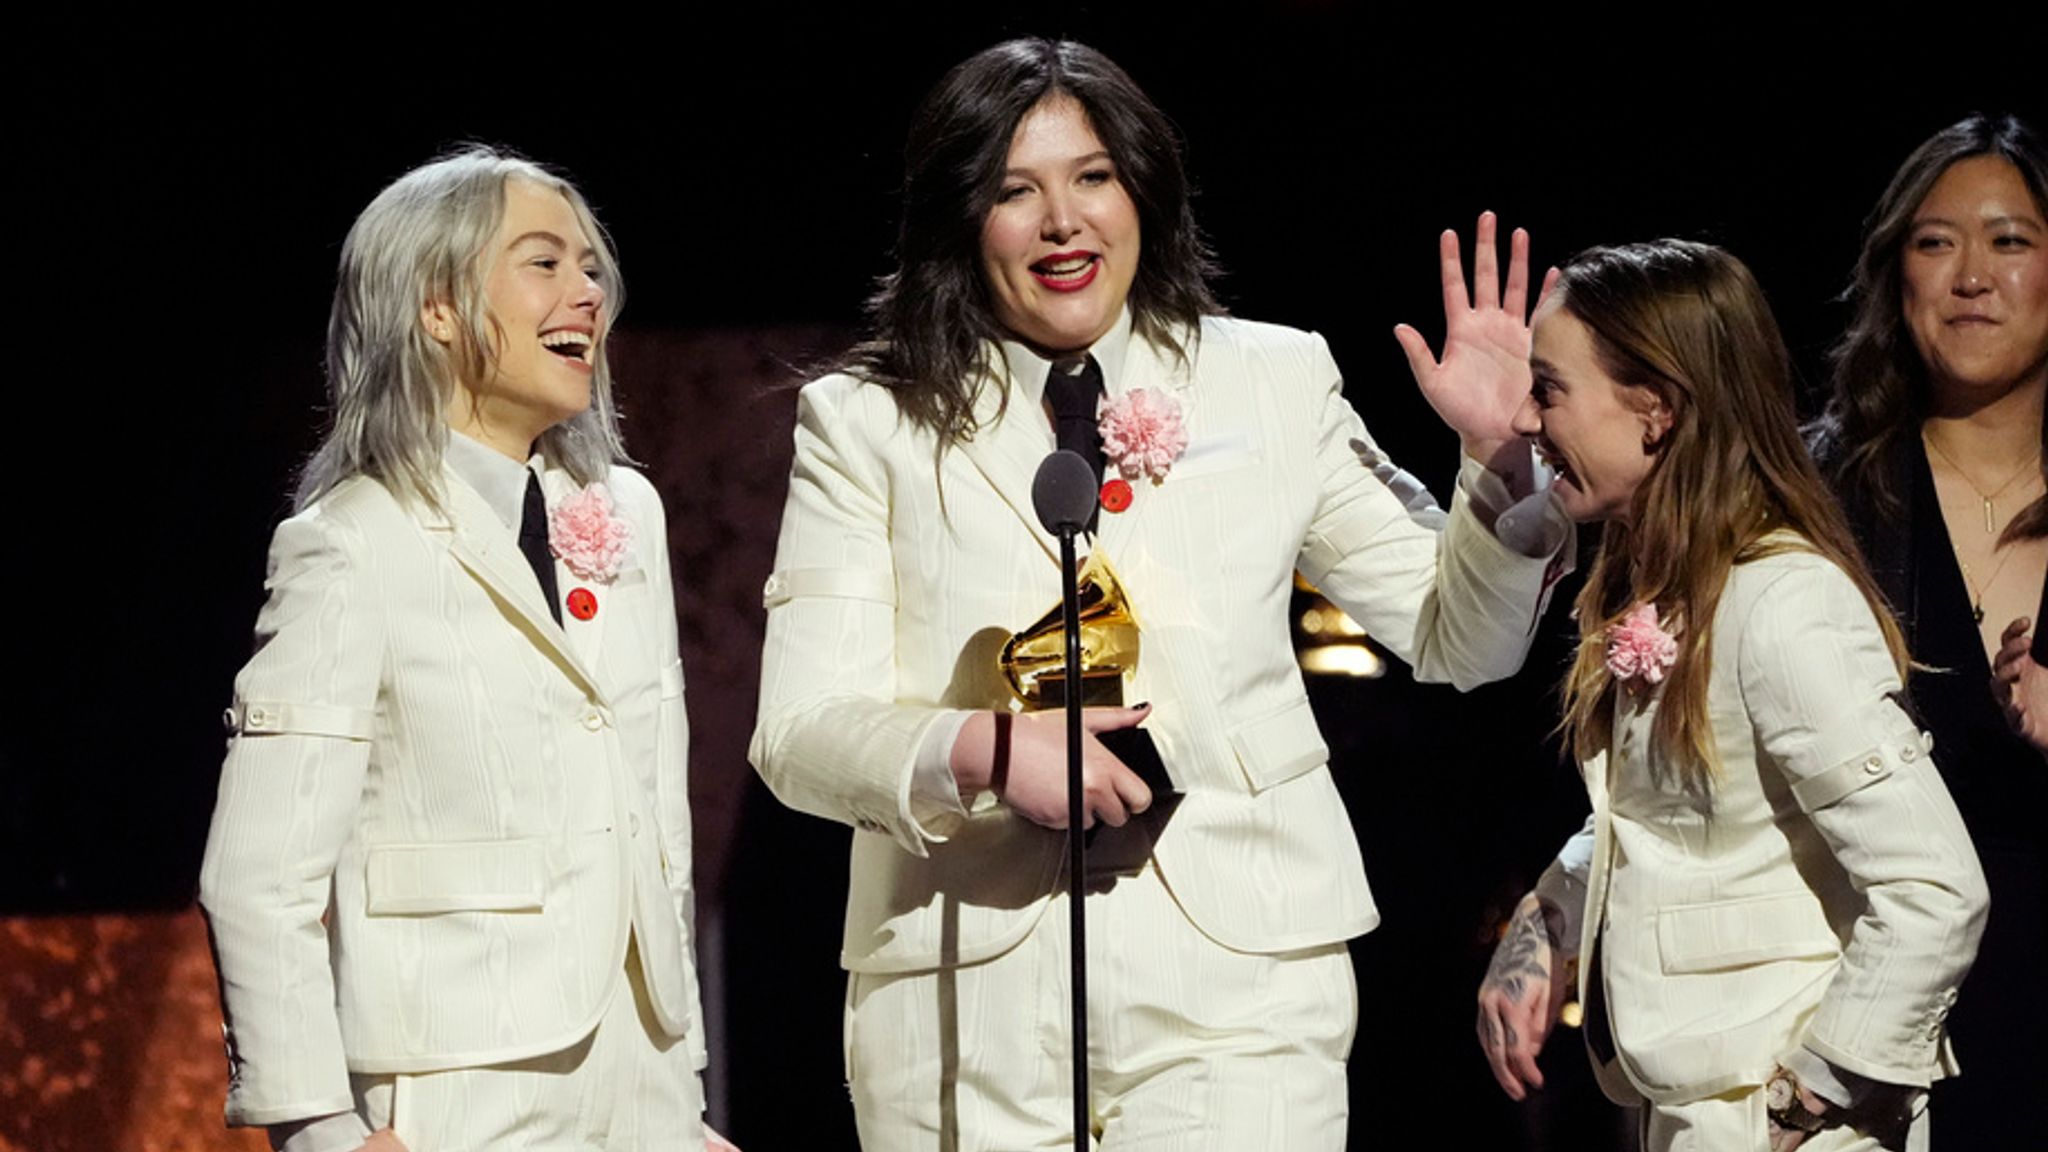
[{"x": 1105, "y": 690}]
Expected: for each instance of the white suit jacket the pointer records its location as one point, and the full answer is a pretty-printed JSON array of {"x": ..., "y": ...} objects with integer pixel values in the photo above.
[
  {"x": 1824, "y": 895},
  {"x": 442, "y": 813},
  {"x": 893, "y": 593}
]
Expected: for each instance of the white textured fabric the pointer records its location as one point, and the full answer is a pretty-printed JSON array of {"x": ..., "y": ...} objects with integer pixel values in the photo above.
[
  {"x": 627, "y": 1087},
  {"x": 1735, "y": 925},
  {"x": 1260, "y": 851},
  {"x": 458, "y": 889},
  {"x": 1193, "y": 1047},
  {"x": 1738, "y": 1121}
]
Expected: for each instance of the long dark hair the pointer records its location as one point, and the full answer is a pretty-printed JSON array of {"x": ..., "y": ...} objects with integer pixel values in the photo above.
[
  {"x": 1880, "y": 386},
  {"x": 931, "y": 324},
  {"x": 1688, "y": 323}
]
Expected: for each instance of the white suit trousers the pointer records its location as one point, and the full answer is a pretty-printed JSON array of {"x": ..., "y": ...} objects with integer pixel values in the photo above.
[
  {"x": 626, "y": 1087},
  {"x": 1192, "y": 1046}
]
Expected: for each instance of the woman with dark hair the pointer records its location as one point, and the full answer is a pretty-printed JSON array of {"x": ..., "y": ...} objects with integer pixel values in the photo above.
[
  {"x": 1781, "y": 893},
  {"x": 1048, "y": 269},
  {"x": 1933, "y": 440}
]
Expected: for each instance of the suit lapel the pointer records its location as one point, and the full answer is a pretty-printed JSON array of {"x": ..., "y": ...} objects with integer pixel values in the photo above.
[
  {"x": 1008, "y": 451},
  {"x": 479, "y": 542},
  {"x": 1143, "y": 367}
]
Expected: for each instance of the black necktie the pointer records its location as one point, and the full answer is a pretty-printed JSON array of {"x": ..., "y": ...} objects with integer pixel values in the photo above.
[
  {"x": 1074, "y": 389},
  {"x": 533, "y": 541}
]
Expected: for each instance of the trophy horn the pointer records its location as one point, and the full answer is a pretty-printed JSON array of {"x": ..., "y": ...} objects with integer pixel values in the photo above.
[{"x": 1034, "y": 660}]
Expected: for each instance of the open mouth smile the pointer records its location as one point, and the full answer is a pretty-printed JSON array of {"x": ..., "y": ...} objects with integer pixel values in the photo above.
[
  {"x": 1555, "y": 459},
  {"x": 1067, "y": 271},
  {"x": 569, "y": 344}
]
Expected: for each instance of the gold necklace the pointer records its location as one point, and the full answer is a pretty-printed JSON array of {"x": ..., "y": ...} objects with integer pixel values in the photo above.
[
  {"x": 1990, "y": 521},
  {"x": 1976, "y": 593}
]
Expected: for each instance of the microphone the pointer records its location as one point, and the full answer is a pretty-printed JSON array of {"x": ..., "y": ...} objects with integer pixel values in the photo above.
[{"x": 1064, "y": 493}]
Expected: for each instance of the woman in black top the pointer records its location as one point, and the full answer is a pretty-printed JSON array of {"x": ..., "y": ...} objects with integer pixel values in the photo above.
[{"x": 1933, "y": 440}]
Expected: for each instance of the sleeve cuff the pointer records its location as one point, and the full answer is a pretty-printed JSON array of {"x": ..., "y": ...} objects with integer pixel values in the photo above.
[
  {"x": 1837, "y": 1086},
  {"x": 1563, "y": 883},
  {"x": 931, "y": 798},
  {"x": 1534, "y": 526},
  {"x": 1575, "y": 859}
]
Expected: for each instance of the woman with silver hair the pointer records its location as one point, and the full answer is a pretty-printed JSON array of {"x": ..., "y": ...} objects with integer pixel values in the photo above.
[{"x": 448, "y": 877}]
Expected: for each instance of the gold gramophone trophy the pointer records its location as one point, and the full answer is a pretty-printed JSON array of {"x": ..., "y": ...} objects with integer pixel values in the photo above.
[{"x": 1034, "y": 660}]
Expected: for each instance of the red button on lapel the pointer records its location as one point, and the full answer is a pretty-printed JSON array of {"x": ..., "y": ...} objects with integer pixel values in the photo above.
[
  {"x": 1116, "y": 495},
  {"x": 582, "y": 604}
]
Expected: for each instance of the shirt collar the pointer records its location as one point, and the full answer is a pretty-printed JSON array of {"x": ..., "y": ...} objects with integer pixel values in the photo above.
[
  {"x": 1028, "y": 369},
  {"x": 498, "y": 478}
]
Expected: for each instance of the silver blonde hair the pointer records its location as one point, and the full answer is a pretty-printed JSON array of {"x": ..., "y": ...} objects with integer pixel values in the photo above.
[{"x": 426, "y": 238}]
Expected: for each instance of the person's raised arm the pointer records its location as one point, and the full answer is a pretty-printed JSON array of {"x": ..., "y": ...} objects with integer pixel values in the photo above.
[{"x": 1482, "y": 379}]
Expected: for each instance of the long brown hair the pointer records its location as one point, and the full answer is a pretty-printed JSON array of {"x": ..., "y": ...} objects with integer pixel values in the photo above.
[{"x": 1688, "y": 322}]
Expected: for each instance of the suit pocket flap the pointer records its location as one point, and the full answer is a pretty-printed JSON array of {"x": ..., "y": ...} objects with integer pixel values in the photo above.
[
  {"x": 487, "y": 876},
  {"x": 1738, "y": 933},
  {"x": 1279, "y": 747}
]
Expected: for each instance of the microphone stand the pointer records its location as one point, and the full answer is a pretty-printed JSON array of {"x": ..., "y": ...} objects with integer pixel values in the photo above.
[
  {"x": 1064, "y": 495},
  {"x": 1077, "y": 844}
]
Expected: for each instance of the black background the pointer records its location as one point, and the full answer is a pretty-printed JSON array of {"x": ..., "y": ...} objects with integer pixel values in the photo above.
[{"x": 181, "y": 192}]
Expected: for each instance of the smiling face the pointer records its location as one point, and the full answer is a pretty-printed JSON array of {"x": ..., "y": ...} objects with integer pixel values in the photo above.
[
  {"x": 1060, "y": 246},
  {"x": 1599, "y": 434},
  {"x": 545, "y": 297},
  {"x": 1975, "y": 282}
]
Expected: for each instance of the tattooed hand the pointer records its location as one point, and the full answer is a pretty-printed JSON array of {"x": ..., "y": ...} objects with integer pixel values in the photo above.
[{"x": 1524, "y": 987}]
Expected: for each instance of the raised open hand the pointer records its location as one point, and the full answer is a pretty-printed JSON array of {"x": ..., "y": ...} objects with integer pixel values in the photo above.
[{"x": 1483, "y": 378}]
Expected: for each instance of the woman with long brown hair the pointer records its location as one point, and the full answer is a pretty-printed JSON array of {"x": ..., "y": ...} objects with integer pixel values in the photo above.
[{"x": 1783, "y": 898}]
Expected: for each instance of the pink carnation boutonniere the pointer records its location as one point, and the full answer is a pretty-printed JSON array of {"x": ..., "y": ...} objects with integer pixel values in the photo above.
[
  {"x": 587, "y": 537},
  {"x": 1143, "y": 432},
  {"x": 1638, "y": 648}
]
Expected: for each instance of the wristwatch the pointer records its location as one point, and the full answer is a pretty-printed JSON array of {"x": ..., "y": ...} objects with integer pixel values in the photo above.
[{"x": 1781, "y": 1100}]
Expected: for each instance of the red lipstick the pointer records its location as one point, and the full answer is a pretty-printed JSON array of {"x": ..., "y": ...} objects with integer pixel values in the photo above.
[{"x": 1067, "y": 279}]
